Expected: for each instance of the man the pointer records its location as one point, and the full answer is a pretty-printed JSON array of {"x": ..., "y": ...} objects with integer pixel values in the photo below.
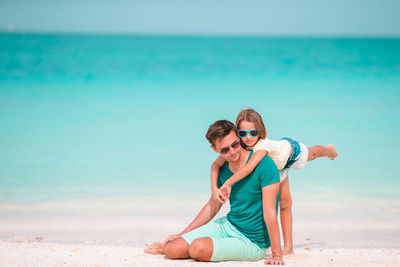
[{"x": 251, "y": 225}]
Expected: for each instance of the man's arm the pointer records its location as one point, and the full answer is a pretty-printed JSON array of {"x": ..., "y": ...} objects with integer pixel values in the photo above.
[
  {"x": 269, "y": 194},
  {"x": 205, "y": 215}
]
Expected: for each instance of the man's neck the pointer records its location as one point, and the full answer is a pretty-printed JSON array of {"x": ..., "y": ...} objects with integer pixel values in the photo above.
[{"x": 235, "y": 165}]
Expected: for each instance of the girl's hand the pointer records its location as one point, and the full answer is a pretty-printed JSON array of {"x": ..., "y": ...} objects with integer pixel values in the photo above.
[
  {"x": 219, "y": 196},
  {"x": 274, "y": 261},
  {"x": 225, "y": 189}
]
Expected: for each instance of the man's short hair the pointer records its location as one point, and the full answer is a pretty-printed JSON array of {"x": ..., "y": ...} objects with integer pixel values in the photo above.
[{"x": 219, "y": 130}]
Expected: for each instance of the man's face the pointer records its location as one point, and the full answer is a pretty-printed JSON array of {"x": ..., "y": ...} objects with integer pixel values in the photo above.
[{"x": 228, "y": 147}]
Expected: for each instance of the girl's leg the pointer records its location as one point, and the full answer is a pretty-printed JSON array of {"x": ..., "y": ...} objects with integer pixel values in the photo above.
[
  {"x": 285, "y": 205},
  {"x": 321, "y": 151}
]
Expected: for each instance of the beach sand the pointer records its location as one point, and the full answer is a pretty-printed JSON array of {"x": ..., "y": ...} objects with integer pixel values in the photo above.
[
  {"x": 329, "y": 230},
  {"x": 53, "y": 254}
]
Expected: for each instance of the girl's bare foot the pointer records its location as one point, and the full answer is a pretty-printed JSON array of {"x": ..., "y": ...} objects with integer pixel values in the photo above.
[
  {"x": 287, "y": 251},
  {"x": 156, "y": 248},
  {"x": 332, "y": 151}
]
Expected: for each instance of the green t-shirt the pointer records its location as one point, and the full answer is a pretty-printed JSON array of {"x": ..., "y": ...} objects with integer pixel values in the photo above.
[{"x": 246, "y": 212}]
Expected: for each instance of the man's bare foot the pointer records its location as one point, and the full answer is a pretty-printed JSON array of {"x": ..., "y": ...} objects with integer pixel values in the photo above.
[
  {"x": 156, "y": 248},
  {"x": 332, "y": 151},
  {"x": 287, "y": 251}
]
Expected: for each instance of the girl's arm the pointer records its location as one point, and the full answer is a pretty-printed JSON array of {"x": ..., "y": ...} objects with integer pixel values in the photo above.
[
  {"x": 225, "y": 189},
  {"x": 214, "y": 177},
  {"x": 248, "y": 168}
]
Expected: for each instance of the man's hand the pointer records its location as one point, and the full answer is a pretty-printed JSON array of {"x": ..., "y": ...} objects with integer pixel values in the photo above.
[
  {"x": 170, "y": 238},
  {"x": 225, "y": 190},
  {"x": 219, "y": 196},
  {"x": 274, "y": 261}
]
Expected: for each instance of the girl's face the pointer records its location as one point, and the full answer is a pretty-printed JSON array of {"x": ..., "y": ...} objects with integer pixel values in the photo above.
[{"x": 248, "y": 140}]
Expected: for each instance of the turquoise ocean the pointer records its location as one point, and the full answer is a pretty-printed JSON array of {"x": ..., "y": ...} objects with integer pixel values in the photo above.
[{"x": 93, "y": 116}]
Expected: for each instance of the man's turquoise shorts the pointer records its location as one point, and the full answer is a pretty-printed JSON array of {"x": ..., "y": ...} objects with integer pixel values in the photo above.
[{"x": 228, "y": 242}]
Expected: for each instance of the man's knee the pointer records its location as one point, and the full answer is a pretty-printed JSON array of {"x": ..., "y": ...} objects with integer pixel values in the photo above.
[
  {"x": 201, "y": 249},
  {"x": 177, "y": 249}
]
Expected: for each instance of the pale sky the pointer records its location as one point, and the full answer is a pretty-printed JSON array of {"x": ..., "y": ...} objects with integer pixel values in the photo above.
[{"x": 204, "y": 17}]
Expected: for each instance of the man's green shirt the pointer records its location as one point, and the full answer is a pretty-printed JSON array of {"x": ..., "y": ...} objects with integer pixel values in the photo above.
[{"x": 246, "y": 212}]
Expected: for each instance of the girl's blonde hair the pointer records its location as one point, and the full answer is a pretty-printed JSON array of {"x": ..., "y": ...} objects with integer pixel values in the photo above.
[{"x": 252, "y": 116}]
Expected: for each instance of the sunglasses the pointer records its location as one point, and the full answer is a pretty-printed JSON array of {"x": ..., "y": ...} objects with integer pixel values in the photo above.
[
  {"x": 226, "y": 149},
  {"x": 243, "y": 133}
]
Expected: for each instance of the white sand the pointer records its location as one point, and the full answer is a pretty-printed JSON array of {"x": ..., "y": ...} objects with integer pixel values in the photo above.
[
  {"x": 53, "y": 254},
  {"x": 329, "y": 230}
]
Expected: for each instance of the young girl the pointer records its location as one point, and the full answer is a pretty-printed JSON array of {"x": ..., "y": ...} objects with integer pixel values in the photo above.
[{"x": 286, "y": 154}]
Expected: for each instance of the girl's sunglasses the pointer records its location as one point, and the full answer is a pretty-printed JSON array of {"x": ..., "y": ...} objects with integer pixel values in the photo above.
[
  {"x": 243, "y": 133},
  {"x": 226, "y": 149}
]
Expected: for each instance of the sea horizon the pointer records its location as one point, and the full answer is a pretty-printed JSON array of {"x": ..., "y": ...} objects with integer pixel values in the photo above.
[
  {"x": 92, "y": 116},
  {"x": 212, "y": 35}
]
